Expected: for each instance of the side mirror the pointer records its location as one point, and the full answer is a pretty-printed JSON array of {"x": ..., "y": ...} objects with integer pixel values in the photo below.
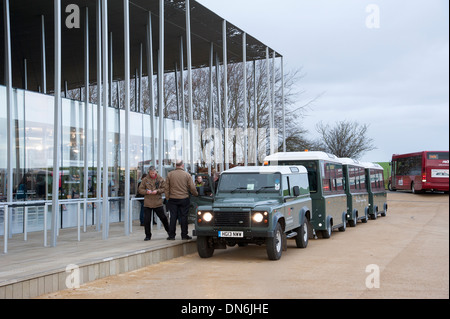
[{"x": 296, "y": 191}]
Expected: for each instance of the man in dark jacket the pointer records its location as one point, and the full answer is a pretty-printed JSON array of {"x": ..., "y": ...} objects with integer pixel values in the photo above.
[
  {"x": 178, "y": 185},
  {"x": 152, "y": 187}
]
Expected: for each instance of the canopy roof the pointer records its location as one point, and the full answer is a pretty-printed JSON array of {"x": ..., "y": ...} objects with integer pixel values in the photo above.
[{"x": 206, "y": 27}]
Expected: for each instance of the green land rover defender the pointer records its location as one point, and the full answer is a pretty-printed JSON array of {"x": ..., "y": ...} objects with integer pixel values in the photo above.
[{"x": 256, "y": 205}]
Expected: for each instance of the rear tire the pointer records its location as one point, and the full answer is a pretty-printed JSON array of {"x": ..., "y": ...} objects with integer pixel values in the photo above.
[
  {"x": 204, "y": 247},
  {"x": 275, "y": 244},
  {"x": 302, "y": 235}
]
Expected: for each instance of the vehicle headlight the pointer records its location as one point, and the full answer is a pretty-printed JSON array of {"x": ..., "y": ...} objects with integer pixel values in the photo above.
[
  {"x": 207, "y": 217},
  {"x": 258, "y": 217},
  {"x": 261, "y": 218},
  {"x": 204, "y": 217}
]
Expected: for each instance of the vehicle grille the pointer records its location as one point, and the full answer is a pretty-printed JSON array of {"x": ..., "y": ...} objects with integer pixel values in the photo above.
[{"x": 232, "y": 219}]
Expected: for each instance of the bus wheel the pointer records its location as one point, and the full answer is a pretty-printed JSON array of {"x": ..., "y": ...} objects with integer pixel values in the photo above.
[
  {"x": 344, "y": 225},
  {"x": 204, "y": 247},
  {"x": 275, "y": 244},
  {"x": 354, "y": 221},
  {"x": 302, "y": 235},
  {"x": 327, "y": 232}
]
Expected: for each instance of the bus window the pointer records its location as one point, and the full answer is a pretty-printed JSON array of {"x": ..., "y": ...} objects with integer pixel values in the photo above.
[
  {"x": 328, "y": 178},
  {"x": 362, "y": 178},
  {"x": 339, "y": 178}
]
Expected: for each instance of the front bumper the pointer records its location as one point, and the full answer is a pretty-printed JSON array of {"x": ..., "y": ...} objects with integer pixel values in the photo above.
[{"x": 248, "y": 234}]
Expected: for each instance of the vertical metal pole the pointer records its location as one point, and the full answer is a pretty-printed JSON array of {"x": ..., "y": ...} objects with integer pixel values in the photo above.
[
  {"x": 5, "y": 223},
  {"x": 25, "y": 74},
  {"x": 283, "y": 104},
  {"x": 45, "y": 223},
  {"x": 56, "y": 123},
  {"x": 255, "y": 119},
  {"x": 9, "y": 110},
  {"x": 225, "y": 91},
  {"x": 183, "y": 103},
  {"x": 244, "y": 62},
  {"x": 43, "y": 57},
  {"x": 128, "y": 217},
  {"x": 151, "y": 88},
  {"x": 273, "y": 92},
  {"x": 161, "y": 87},
  {"x": 111, "y": 69},
  {"x": 189, "y": 66},
  {"x": 141, "y": 52},
  {"x": 25, "y": 223},
  {"x": 269, "y": 100},
  {"x": 211, "y": 88},
  {"x": 219, "y": 107},
  {"x": 99, "y": 111},
  {"x": 105, "y": 204},
  {"x": 86, "y": 109},
  {"x": 177, "y": 94}
]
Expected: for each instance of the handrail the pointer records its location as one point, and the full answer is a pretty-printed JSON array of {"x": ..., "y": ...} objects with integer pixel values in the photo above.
[{"x": 45, "y": 203}]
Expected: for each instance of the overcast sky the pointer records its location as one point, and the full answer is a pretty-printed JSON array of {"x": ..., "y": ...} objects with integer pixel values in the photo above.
[{"x": 381, "y": 62}]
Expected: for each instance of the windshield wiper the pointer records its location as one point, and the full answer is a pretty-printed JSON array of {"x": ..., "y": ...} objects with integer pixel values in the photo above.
[
  {"x": 237, "y": 189},
  {"x": 262, "y": 188}
]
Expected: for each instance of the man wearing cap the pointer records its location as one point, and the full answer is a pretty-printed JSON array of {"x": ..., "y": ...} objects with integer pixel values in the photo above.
[
  {"x": 178, "y": 185},
  {"x": 152, "y": 187}
]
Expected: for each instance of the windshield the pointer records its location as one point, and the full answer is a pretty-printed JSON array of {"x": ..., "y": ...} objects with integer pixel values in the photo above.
[{"x": 250, "y": 183}]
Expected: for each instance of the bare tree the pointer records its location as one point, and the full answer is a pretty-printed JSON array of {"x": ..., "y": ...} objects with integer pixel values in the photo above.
[{"x": 345, "y": 139}]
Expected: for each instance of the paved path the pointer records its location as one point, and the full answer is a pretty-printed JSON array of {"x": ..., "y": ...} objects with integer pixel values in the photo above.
[{"x": 409, "y": 249}]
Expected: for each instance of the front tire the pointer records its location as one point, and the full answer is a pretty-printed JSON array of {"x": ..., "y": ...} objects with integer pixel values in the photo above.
[
  {"x": 204, "y": 247},
  {"x": 275, "y": 244}
]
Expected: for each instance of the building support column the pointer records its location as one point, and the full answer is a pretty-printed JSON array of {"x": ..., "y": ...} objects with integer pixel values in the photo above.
[
  {"x": 9, "y": 122},
  {"x": 189, "y": 67},
  {"x": 255, "y": 119},
  {"x": 86, "y": 110},
  {"x": 219, "y": 111},
  {"x": 283, "y": 105},
  {"x": 161, "y": 87},
  {"x": 56, "y": 124},
  {"x": 244, "y": 62},
  {"x": 269, "y": 101},
  {"x": 128, "y": 217},
  {"x": 43, "y": 57},
  {"x": 183, "y": 102},
  {"x": 225, "y": 93},
  {"x": 211, "y": 104},
  {"x": 99, "y": 112},
  {"x": 151, "y": 87},
  {"x": 105, "y": 202}
]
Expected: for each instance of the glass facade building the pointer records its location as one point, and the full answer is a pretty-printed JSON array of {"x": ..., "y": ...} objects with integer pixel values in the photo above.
[
  {"x": 33, "y": 158},
  {"x": 66, "y": 163}
]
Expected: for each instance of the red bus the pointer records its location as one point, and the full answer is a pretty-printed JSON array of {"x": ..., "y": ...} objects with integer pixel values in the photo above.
[{"x": 420, "y": 172}]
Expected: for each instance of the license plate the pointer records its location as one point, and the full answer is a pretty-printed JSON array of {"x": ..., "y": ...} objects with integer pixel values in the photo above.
[{"x": 231, "y": 234}]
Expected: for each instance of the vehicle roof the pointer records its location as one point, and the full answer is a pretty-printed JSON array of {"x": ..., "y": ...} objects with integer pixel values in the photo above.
[
  {"x": 372, "y": 165},
  {"x": 292, "y": 156},
  {"x": 350, "y": 161},
  {"x": 266, "y": 169}
]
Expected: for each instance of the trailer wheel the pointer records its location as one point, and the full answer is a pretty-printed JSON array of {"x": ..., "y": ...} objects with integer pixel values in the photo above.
[{"x": 327, "y": 232}]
